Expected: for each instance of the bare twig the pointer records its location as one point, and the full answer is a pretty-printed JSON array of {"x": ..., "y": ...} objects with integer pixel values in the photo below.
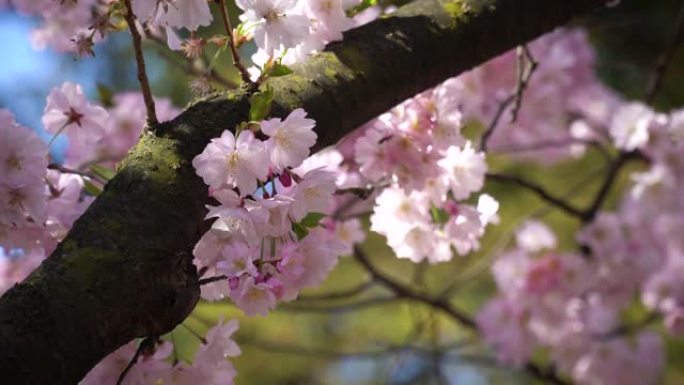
[
  {"x": 334, "y": 354},
  {"x": 540, "y": 191},
  {"x": 140, "y": 61},
  {"x": 665, "y": 59},
  {"x": 342, "y": 294},
  {"x": 403, "y": 292},
  {"x": 495, "y": 121},
  {"x": 145, "y": 344},
  {"x": 231, "y": 43},
  {"x": 614, "y": 168},
  {"x": 543, "y": 373},
  {"x": 206, "y": 281},
  {"x": 346, "y": 307},
  {"x": 186, "y": 65},
  {"x": 525, "y": 69},
  {"x": 67, "y": 170}
]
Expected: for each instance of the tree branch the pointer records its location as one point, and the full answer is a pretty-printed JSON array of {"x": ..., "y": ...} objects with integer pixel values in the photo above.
[
  {"x": 665, "y": 58},
  {"x": 540, "y": 191},
  {"x": 125, "y": 270},
  {"x": 140, "y": 62},
  {"x": 443, "y": 304}
]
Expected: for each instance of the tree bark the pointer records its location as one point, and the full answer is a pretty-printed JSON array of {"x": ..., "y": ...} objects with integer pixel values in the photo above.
[{"x": 125, "y": 270}]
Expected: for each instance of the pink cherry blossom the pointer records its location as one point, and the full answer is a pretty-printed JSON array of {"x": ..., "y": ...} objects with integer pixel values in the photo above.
[
  {"x": 252, "y": 297},
  {"x": 290, "y": 139},
  {"x": 237, "y": 163},
  {"x": 312, "y": 194},
  {"x": 465, "y": 170},
  {"x": 23, "y": 155},
  {"x": 68, "y": 110},
  {"x": 275, "y": 24}
]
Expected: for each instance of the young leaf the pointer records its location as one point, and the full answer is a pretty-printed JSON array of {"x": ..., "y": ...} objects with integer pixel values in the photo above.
[
  {"x": 103, "y": 172},
  {"x": 311, "y": 220},
  {"x": 90, "y": 188},
  {"x": 300, "y": 230},
  {"x": 260, "y": 105},
  {"x": 439, "y": 216},
  {"x": 279, "y": 70}
]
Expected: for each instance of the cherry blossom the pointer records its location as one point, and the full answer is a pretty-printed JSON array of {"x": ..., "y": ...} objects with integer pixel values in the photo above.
[
  {"x": 275, "y": 25},
  {"x": 23, "y": 155},
  {"x": 289, "y": 139},
  {"x": 68, "y": 110},
  {"x": 238, "y": 163}
]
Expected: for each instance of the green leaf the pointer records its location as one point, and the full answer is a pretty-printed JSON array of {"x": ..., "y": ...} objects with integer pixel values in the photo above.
[
  {"x": 300, "y": 230},
  {"x": 365, "y": 4},
  {"x": 279, "y": 70},
  {"x": 439, "y": 215},
  {"x": 90, "y": 188},
  {"x": 260, "y": 105},
  {"x": 102, "y": 172},
  {"x": 312, "y": 220},
  {"x": 105, "y": 94}
]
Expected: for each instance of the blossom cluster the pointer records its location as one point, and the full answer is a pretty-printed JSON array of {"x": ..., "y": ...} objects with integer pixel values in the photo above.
[
  {"x": 267, "y": 238},
  {"x": 418, "y": 151},
  {"x": 39, "y": 205},
  {"x": 97, "y": 135},
  {"x": 291, "y": 30},
  {"x": 155, "y": 366},
  {"x": 573, "y": 304}
]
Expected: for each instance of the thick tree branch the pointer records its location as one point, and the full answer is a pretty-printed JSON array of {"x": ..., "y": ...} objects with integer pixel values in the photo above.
[{"x": 125, "y": 270}]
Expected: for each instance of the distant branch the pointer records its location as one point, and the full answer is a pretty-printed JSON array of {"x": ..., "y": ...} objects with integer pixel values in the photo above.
[
  {"x": 525, "y": 69},
  {"x": 612, "y": 173},
  {"x": 665, "y": 59},
  {"x": 342, "y": 294},
  {"x": 547, "y": 374},
  {"x": 540, "y": 191}
]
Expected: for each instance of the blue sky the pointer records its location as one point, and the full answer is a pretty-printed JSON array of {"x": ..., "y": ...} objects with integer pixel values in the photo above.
[{"x": 27, "y": 75}]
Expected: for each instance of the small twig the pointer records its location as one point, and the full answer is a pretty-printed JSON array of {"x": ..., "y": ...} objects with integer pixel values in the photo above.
[
  {"x": 66, "y": 170},
  {"x": 540, "y": 191},
  {"x": 333, "y": 354},
  {"x": 495, "y": 121},
  {"x": 665, "y": 59},
  {"x": 194, "y": 333},
  {"x": 543, "y": 373},
  {"x": 403, "y": 292},
  {"x": 231, "y": 43},
  {"x": 145, "y": 344},
  {"x": 524, "y": 74},
  {"x": 140, "y": 60},
  {"x": 346, "y": 307},
  {"x": 206, "y": 281},
  {"x": 614, "y": 168},
  {"x": 186, "y": 65},
  {"x": 342, "y": 294}
]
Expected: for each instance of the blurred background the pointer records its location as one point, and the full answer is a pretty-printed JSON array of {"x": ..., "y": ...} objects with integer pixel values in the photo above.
[{"x": 351, "y": 331}]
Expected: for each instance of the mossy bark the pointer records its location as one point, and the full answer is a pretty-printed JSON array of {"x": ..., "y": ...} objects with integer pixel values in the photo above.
[{"x": 125, "y": 269}]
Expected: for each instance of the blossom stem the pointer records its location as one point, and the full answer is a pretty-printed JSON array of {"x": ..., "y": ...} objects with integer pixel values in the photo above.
[
  {"x": 144, "y": 345},
  {"x": 206, "y": 281},
  {"x": 140, "y": 61},
  {"x": 231, "y": 43}
]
